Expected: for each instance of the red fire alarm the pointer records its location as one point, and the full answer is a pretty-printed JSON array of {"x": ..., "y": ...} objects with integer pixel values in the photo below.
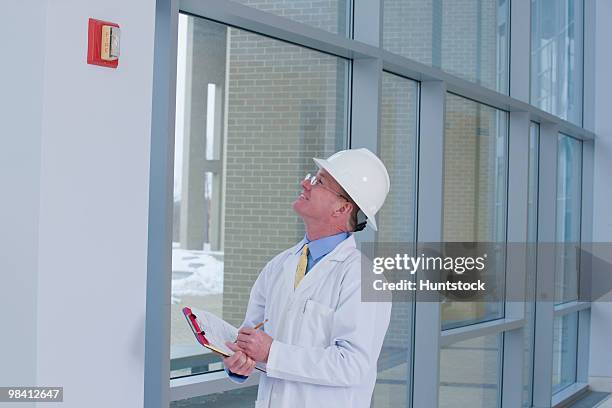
[{"x": 103, "y": 43}]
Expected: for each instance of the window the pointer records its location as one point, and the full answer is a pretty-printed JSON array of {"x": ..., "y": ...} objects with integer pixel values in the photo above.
[
  {"x": 556, "y": 57},
  {"x": 253, "y": 109},
  {"x": 397, "y": 223},
  {"x": 475, "y": 161},
  {"x": 252, "y": 112},
  {"x": 569, "y": 206},
  {"x": 565, "y": 343},
  {"x": 568, "y": 219},
  {"x": 470, "y": 373},
  {"x": 467, "y": 38}
]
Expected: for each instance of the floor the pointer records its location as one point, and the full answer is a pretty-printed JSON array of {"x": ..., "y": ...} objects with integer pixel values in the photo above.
[
  {"x": 594, "y": 399},
  {"x": 606, "y": 404},
  {"x": 236, "y": 399}
]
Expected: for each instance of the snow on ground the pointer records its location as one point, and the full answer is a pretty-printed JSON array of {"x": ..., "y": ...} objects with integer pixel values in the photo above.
[{"x": 195, "y": 273}]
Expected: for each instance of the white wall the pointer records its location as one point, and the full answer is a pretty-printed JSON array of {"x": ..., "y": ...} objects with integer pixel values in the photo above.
[
  {"x": 21, "y": 85},
  {"x": 94, "y": 206},
  {"x": 601, "y": 313}
]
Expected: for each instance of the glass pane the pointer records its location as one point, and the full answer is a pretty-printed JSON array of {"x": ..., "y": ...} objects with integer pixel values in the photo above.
[
  {"x": 398, "y": 150},
  {"x": 467, "y": 38},
  {"x": 565, "y": 343},
  {"x": 556, "y": 57},
  {"x": 532, "y": 238},
  {"x": 569, "y": 206},
  {"x": 247, "y": 129},
  {"x": 397, "y": 224},
  {"x": 470, "y": 373},
  {"x": 328, "y": 15},
  {"x": 475, "y": 163}
]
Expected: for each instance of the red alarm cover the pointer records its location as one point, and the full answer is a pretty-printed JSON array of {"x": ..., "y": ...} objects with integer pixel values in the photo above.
[{"x": 94, "y": 47}]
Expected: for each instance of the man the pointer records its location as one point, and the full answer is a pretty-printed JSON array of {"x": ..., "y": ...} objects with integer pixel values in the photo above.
[{"x": 320, "y": 344}]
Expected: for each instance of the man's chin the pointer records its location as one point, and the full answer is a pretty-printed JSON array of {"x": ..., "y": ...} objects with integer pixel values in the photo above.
[{"x": 297, "y": 206}]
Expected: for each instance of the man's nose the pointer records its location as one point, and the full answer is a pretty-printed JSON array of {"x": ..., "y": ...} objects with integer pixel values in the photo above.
[{"x": 306, "y": 184}]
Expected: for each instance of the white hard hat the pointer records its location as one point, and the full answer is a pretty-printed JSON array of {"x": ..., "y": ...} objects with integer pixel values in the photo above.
[{"x": 363, "y": 176}]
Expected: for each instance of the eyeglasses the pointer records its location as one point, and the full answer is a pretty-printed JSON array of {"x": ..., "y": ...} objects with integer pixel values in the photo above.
[{"x": 315, "y": 181}]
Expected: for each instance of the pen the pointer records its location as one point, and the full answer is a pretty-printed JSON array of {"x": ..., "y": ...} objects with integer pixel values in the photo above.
[{"x": 258, "y": 325}]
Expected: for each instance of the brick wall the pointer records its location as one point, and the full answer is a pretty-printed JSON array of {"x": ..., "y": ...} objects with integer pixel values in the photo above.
[
  {"x": 470, "y": 174},
  {"x": 328, "y": 15},
  {"x": 397, "y": 151},
  {"x": 408, "y": 27},
  {"x": 285, "y": 106},
  {"x": 459, "y": 36}
]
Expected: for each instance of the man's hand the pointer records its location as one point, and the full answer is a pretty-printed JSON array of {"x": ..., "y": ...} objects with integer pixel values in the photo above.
[
  {"x": 255, "y": 343},
  {"x": 238, "y": 363}
]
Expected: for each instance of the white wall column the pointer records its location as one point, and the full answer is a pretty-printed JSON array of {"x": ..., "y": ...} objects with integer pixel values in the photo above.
[
  {"x": 22, "y": 37},
  {"x": 601, "y": 312},
  {"x": 93, "y": 208}
]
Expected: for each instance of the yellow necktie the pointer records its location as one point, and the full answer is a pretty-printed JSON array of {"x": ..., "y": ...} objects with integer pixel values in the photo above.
[{"x": 301, "y": 268}]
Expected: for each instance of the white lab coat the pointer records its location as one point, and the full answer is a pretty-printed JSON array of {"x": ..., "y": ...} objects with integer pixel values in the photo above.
[{"x": 326, "y": 341}]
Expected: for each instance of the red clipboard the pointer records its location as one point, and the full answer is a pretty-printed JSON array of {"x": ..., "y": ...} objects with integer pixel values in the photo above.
[
  {"x": 200, "y": 335},
  {"x": 192, "y": 320}
]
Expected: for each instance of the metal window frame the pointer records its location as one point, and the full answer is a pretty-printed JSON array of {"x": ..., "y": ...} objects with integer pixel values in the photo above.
[
  {"x": 458, "y": 334},
  {"x": 570, "y": 307},
  {"x": 516, "y": 268},
  {"x": 430, "y": 207},
  {"x": 369, "y": 60},
  {"x": 159, "y": 243},
  {"x": 586, "y": 232},
  {"x": 204, "y": 384},
  {"x": 542, "y": 365}
]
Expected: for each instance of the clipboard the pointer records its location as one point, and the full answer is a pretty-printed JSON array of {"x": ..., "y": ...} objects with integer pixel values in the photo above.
[{"x": 200, "y": 335}]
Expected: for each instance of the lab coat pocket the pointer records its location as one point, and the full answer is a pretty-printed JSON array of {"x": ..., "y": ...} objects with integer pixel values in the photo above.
[{"x": 316, "y": 324}]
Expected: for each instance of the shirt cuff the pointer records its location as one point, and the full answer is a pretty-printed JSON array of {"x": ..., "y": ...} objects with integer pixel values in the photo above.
[{"x": 236, "y": 377}]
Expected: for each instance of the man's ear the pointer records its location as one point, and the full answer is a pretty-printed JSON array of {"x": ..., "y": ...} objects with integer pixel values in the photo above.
[{"x": 345, "y": 208}]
